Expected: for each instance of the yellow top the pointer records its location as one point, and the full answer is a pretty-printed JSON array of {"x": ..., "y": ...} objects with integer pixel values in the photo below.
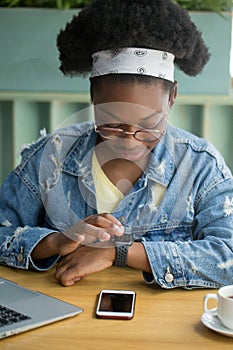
[{"x": 108, "y": 196}]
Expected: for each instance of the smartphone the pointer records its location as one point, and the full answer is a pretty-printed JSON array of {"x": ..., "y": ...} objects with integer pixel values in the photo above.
[{"x": 116, "y": 304}]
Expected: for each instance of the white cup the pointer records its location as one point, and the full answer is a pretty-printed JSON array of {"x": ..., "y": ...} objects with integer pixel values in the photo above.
[{"x": 224, "y": 309}]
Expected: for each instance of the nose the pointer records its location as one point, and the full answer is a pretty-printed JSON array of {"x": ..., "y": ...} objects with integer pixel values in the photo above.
[{"x": 130, "y": 129}]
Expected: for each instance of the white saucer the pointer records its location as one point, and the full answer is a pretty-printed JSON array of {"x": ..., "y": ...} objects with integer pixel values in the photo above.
[{"x": 214, "y": 323}]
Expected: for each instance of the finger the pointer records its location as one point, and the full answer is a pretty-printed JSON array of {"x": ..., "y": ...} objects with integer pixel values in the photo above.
[
  {"x": 60, "y": 275},
  {"x": 84, "y": 230},
  {"x": 100, "y": 228},
  {"x": 111, "y": 218},
  {"x": 107, "y": 221},
  {"x": 73, "y": 234},
  {"x": 104, "y": 220},
  {"x": 61, "y": 268},
  {"x": 68, "y": 271},
  {"x": 72, "y": 282},
  {"x": 68, "y": 277}
]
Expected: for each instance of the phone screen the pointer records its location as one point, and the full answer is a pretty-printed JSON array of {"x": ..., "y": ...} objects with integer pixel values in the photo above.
[{"x": 116, "y": 304}]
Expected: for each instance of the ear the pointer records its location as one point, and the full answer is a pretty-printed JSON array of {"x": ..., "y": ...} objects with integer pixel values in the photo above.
[{"x": 173, "y": 94}]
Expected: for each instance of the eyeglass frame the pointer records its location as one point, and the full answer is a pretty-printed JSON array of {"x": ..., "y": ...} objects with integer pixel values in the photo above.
[{"x": 134, "y": 133}]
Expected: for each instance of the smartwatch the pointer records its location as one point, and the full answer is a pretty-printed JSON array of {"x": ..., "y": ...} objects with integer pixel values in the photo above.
[{"x": 122, "y": 246}]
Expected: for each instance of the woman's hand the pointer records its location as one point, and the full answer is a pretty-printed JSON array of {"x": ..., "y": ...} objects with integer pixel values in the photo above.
[
  {"x": 101, "y": 227},
  {"x": 82, "y": 262},
  {"x": 86, "y": 260}
]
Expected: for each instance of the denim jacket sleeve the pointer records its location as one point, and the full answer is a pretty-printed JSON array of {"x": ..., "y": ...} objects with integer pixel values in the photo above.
[
  {"x": 20, "y": 216},
  {"x": 24, "y": 221},
  {"x": 206, "y": 260}
]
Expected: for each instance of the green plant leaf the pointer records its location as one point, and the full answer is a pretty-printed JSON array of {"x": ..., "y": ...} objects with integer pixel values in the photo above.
[
  {"x": 206, "y": 5},
  {"x": 190, "y": 5},
  {"x": 60, "y": 4}
]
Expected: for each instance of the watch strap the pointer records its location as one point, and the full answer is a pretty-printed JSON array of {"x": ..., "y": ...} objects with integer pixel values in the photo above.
[{"x": 121, "y": 255}]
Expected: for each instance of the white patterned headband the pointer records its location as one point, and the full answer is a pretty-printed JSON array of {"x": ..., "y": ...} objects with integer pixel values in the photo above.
[{"x": 132, "y": 60}]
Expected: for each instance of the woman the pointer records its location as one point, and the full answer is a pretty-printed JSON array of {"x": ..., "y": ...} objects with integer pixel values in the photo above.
[{"x": 130, "y": 190}]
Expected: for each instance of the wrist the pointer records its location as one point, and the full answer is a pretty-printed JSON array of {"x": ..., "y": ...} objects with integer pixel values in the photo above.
[
  {"x": 45, "y": 248},
  {"x": 137, "y": 257},
  {"x": 112, "y": 255},
  {"x": 121, "y": 257}
]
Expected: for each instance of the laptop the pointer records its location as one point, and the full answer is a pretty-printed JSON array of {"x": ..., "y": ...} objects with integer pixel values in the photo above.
[{"x": 22, "y": 309}]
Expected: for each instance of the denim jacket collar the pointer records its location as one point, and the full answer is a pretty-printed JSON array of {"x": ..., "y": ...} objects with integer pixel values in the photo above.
[{"x": 79, "y": 160}]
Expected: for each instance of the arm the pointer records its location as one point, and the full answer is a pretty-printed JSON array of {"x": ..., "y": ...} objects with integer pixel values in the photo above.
[
  {"x": 137, "y": 257},
  {"x": 25, "y": 243},
  {"x": 21, "y": 211},
  {"x": 87, "y": 231},
  {"x": 205, "y": 261},
  {"x": 87, "y": 260}
]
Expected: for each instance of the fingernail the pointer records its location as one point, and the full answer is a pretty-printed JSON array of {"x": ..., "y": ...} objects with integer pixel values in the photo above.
[
  {"x": 106, "y": 235},
  {"x": 80, "y": 238},
  {"x": 119, "y": 223},
  {"x": 119, "y": 229}
]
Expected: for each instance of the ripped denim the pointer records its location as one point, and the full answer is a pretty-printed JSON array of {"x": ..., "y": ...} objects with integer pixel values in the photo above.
[{"x": 181, "y": 208}]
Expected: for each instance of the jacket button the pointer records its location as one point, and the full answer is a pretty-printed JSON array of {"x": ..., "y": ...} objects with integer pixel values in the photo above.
[
  {"x": 169, "y": 278},
  {"x": 20, "y": 255},
  {"x": 121, "y": 219}
]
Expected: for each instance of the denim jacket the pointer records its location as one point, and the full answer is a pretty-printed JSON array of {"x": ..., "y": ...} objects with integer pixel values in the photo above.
[{"x": 188, "y": 237}]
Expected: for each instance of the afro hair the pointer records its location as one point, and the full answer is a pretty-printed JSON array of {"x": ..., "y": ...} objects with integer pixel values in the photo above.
[{"x": 116, "y": 24}]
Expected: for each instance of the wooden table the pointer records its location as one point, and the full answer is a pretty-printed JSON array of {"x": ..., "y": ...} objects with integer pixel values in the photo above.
[{"x": 164, "y": 319}]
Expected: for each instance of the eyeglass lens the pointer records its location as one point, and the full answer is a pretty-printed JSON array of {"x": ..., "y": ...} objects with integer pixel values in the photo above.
[{"x": 139, "y": 134}]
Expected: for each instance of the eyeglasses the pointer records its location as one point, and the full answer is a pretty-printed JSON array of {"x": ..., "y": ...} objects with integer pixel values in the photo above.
[{"x": 140, "y": 135}]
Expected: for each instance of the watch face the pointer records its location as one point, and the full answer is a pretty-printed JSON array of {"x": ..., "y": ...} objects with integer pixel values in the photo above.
[{"x": 126, "y": 238}]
